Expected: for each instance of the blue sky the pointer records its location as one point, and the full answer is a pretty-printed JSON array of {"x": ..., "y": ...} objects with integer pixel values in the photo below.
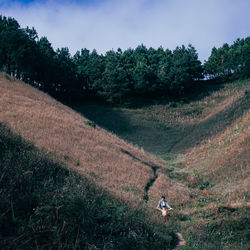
[{"x": 110, "y": 24}]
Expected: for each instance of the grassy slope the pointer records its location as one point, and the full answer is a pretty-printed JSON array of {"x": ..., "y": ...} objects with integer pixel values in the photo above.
[
  {"x": 175, "y": 127},
  {"x": 206, "y": 145},
  {"x": 200, "y": 135},
  {"x": 93, "y": 152},
  {"x": 125, "y": 170},
  {"x": 44, "y": 205}
]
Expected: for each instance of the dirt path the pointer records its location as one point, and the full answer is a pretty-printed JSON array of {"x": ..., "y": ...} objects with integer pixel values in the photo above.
[
  {"x": 181, "y": 242},
  {"x": 151, "y": 180},
  {"x": 150, "y": 183}
]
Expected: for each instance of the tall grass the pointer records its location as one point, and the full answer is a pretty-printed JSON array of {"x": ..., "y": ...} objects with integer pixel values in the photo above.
[
  {"x": 44, "y": 205},
  {"x": 77, "y": 142},
  {"x": 226, "y": 229}
]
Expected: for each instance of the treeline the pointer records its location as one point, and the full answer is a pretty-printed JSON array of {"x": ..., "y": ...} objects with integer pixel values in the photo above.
[
  {"x": 118, "y": 76},
  {"x": 229, "y": 62},
  {"x": 34, "y": 61}
]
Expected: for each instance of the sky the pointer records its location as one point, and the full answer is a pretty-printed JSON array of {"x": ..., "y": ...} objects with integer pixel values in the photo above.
[{"x": 111, "y": 24}]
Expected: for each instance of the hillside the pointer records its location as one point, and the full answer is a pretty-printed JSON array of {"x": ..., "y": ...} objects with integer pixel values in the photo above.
[
  {"x": 44, "y": 205},
  {"x": 205, "y": 143},
  {"x": 196, "y": 145},
  {"x": 175, "y": 126},
  {"x": 93, "y": 152},
  {"x": 190, "y": 134},
  {"x": 119, "y": 171}
]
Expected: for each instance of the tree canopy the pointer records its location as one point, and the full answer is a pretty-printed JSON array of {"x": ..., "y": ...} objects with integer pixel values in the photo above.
[
  {"x": 229, "y": 61},
  {"x": 118, "y": 76}
]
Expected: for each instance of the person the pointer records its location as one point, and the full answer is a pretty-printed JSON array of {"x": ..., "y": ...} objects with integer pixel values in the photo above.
[
  {"x": 163, "y": 206},
  {"x": 162, "y": 202}
]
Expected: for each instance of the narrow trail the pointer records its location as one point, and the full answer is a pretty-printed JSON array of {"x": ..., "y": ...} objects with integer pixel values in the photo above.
[
  {"x": 181, "y": 241},
  {"x": 151, "y": 180},
  {"x": 150, "y": 183}
]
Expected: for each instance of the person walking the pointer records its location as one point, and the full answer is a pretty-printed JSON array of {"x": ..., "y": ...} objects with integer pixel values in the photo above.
[{"x": 163, "y": 206}]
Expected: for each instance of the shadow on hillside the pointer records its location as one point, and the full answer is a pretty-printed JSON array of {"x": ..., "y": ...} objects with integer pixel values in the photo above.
[
  {"x": 159, "y": 138},
  {"x": 213, "y": 125},
  {"x": 152, "y": 136},
  {"x": 41, "y": 194},
  {"x": 106, "y": 117},
  {"x": 202, "y": 89},
  {"x": 197, "y": 92}
]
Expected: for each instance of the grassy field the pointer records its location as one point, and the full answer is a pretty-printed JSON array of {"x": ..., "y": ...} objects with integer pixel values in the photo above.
[
  {"x": 205, "y": 143},
  {"x": 198, "y": 157}
]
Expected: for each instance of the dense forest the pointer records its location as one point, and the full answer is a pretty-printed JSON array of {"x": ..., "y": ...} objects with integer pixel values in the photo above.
[{"x": 118, "y": 77}]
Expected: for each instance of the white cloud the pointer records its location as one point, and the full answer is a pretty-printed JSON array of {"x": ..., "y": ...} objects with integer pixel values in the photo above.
[{"x": 111, "y": 24}]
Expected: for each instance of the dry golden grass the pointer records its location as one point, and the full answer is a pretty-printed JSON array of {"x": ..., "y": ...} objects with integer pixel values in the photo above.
[
  {"x": 224, "y": 160},
  {"x": 101, "y": 156},
  {"x": 200, "y": 110},
  {"x": 175, "y": 192},
  {"x": 93, "y": 152}
]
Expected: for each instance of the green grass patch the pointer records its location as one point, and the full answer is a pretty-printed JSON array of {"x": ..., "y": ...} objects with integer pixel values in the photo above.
[
  {"x": 233, "y": 225},
  {"x": 177, "y": 175},
  {"x": 229, "y": 229},
  {"x": 90, "y": 123},
  {"x": 7, "y": 77}
]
